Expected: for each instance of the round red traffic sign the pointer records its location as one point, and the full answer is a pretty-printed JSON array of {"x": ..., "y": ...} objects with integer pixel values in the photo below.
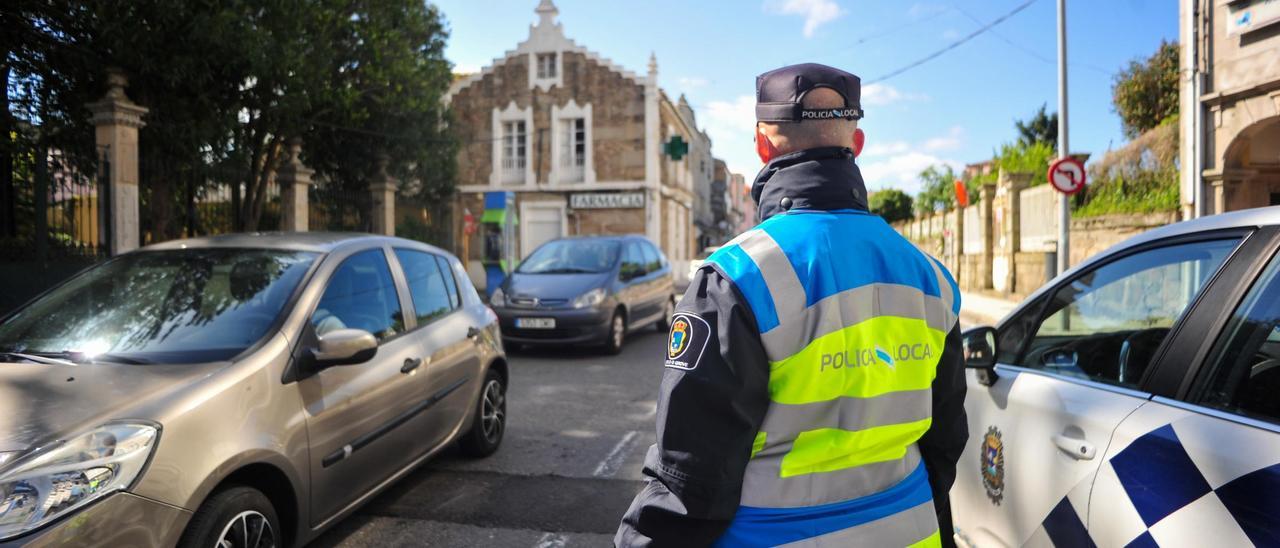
[{"x": 1067, "y": 175}]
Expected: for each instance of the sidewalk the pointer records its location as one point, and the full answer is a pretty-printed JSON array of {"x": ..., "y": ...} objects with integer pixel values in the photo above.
[{"x": 983, "y": 309}]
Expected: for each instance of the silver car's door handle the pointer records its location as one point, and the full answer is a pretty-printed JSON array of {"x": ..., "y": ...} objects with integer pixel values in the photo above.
[
  {"x": 1077, "y": 448},
  {"x": 411, "y": 364}
]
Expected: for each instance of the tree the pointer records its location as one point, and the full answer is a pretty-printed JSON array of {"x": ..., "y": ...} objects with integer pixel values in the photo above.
[
  {"x": 1146, "y": 92},
  {"x": 228, "y": 83},
  {"x": 1041, "y": 128},
  {"x": 938, "y": 189},
  {"x": 891, "y": 204}
]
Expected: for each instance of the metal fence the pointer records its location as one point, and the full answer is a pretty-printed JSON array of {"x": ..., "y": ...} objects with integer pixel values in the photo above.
[
  {"x": 335, "y": 208},
  {"x": 58, "y": 208},
  {"x": 180, "y": 200}
]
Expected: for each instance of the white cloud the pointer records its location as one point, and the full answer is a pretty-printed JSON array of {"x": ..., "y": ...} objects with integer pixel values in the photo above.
[
  {"x": 692, "y": 82},
  {"x": 902, "y": 171},
  {"x": 897, "y": 164},
  {"x": 816, "y": 12},
  {"x": 951, "y": 141},
  {"x": 885, "y": 94},
  {"x": 731, "y": 126},
  {"x": 950, "y": 34},
  {"x": 465, "y": 69},
  {"x": 890, "y": 148}
]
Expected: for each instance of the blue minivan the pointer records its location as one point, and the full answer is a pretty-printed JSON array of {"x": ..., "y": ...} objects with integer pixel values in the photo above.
[{"x": 586, "y": 290}]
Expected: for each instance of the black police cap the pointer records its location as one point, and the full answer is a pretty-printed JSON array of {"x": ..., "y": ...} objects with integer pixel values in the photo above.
[{"x": 779, "y": 93}]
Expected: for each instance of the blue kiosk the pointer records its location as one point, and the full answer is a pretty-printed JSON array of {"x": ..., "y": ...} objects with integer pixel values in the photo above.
[{"x": 498, "y": 226}]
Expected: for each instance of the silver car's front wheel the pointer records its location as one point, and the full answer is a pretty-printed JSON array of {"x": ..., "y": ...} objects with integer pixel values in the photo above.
[
  {"x": 234, "y": 516},
  {"x": 248, "y": 529}
]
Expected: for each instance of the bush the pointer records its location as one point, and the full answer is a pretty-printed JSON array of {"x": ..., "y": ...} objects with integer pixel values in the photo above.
[
  {"x": 1033, "y": 158},
  {"x": 892, "y": 204},
  {"x": 1141, "y": 177}
]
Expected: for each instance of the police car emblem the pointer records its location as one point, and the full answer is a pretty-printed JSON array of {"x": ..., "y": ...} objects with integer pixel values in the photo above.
[
  {"x": 687, "y": 339},
  {"x": 993, "y": 465}
]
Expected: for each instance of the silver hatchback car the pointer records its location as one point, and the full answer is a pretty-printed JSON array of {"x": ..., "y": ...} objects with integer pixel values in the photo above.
[{"x": 239, "y": 391}]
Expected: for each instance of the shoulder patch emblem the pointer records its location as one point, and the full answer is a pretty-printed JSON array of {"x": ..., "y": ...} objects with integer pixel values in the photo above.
[{"x": 686, "y": 341}]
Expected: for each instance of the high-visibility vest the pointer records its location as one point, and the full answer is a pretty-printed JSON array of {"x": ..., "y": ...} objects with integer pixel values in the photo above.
[{"x": 853, "y": 319}]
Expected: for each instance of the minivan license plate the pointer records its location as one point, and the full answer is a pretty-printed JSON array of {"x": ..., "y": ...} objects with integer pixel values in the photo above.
[{"x": 536, "y": 323}]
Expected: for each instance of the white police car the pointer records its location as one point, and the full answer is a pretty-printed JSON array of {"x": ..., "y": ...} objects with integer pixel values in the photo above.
[{"x": 1134, "y": 400}]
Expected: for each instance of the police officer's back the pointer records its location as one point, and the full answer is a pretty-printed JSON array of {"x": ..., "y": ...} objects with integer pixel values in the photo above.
[{"x": 814, "y": 386}]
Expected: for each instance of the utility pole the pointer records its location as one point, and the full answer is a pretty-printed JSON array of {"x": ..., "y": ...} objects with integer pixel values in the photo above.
[{"x": 1064, "y": 150}]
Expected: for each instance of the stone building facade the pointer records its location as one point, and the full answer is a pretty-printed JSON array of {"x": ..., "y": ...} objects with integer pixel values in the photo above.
[
  {"x": 579, "y": 140},
  {"x": 1230, "y": 105}
]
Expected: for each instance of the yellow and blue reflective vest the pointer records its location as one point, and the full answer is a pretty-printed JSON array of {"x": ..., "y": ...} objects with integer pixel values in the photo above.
[
  {"x": 813, "y": 394},
  {"x": 853, "y": 329}
]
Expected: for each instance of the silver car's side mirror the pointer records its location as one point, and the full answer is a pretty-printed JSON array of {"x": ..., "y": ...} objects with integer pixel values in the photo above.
[
  {"x": 345, "y": 347},
  {"x": 980, "y": 353}
]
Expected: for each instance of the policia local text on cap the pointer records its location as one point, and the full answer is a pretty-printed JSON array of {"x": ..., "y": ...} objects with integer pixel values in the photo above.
[{"x": 814, "y": 389}]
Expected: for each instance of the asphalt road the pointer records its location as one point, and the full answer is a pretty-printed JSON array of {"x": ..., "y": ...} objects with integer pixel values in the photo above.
[{"x": 579, "y": 425}]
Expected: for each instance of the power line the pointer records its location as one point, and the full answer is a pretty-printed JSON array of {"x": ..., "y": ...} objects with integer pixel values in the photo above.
[
  {"x": 953, "y": 45},
  {"x": 1028, "y": 50}
]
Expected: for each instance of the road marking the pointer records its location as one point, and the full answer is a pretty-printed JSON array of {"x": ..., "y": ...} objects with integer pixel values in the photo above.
[
  {"x": 609, "y": 466},
  {"x": 551, "y": 540}
]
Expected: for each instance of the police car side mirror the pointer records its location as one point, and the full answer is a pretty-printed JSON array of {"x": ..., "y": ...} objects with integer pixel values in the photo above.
[{"x": 980, "y": 353}]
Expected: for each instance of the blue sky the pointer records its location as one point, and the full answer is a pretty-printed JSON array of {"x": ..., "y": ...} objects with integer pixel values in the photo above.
[{"x": 954, "y": 109}]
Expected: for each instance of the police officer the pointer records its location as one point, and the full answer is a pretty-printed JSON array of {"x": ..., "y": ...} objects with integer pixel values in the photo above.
[{"x": 814, "y": 387}]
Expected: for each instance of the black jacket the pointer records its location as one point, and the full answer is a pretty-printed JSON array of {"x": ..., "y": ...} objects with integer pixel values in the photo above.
[{"x": 708, "y": 416}]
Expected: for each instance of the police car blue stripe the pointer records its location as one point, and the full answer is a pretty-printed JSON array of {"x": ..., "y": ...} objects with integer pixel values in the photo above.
[
  {"x": 1158, "y": 475},
  {"x": 753, "y": 526},
  {"x": 879, "y": 255},
  {"x": 1254, "y": 501},
  {"x": 734, "y": 263},
  {"x": 1143, "y": 541},
  {"x": 1064, "y": 527}
]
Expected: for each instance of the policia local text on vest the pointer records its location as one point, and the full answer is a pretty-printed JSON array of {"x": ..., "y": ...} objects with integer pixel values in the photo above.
[{"x": 814, "y": 390}]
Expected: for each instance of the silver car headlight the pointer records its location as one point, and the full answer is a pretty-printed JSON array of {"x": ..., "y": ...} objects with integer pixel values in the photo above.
[
  {"x": 590, "y": 298},
  {"x": 498, "y": 298},
  {"x": 63, "y": 477}
]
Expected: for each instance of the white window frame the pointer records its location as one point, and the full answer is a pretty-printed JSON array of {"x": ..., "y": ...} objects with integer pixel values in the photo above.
[
  {"x": 553, "y": 68},
  {"x": 559, "y": 172},
  {"x": 545, "y": 83},
  {"x": 500, "y": 175}
]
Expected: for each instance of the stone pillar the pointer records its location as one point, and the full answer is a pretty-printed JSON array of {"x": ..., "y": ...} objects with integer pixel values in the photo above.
[
  {"x": 986, "y": 224},
  {"x": 383, "y": 189},
  {"x": 1012, "y": 185},
  {"x": 116, "y": 122},
  {"x": 295, "y": 180}
]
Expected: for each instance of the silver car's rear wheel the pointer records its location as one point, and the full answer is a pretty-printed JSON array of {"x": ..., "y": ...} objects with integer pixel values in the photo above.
[
  {"x": 485, "y": 434},
  {"x": 248, "y": 529},
  {"x": 493, "y": 411}
]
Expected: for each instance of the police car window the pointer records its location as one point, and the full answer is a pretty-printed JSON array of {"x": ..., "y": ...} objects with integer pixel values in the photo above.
[
  {"x": 1242, "y": 375},
  {"x": 427, "y": 286},
  {"x": 1106, "y": 325},
  {"x": 361, "y": 295}
]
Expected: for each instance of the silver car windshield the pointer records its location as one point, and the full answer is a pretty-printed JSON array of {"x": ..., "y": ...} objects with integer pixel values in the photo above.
[{"x": 179, "y": 306}]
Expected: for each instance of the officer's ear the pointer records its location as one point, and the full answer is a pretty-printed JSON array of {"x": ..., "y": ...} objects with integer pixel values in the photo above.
[{"x": 859, "y": 140}]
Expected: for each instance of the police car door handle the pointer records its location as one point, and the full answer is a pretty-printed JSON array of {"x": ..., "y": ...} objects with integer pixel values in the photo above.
[{"x": 1077, "y": 448}]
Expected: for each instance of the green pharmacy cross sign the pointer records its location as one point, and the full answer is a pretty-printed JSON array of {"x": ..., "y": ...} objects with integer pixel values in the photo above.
[{"x": 676, "y": 148}]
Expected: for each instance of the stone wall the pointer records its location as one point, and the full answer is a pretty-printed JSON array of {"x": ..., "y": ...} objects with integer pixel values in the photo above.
[
  {"x": 996, "y": 263},
  {"x": 617, "y": 113},
  {"x": 585, "y": 222}
]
